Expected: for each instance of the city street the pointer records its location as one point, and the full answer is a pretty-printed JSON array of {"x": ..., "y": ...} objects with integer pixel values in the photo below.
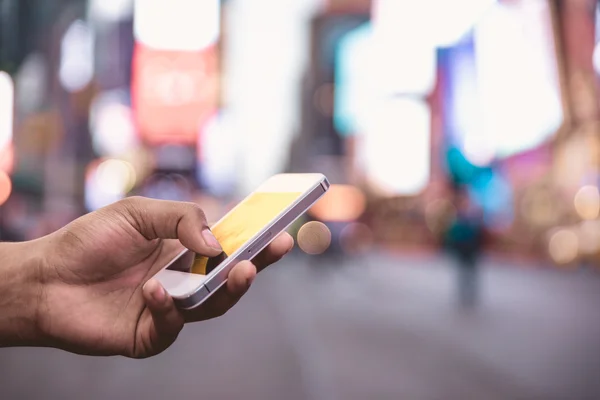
[{"x": 380, "y": 327}]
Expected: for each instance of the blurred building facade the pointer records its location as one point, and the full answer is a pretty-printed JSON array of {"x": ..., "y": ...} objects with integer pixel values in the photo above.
[{"x": 400, "y": 104}]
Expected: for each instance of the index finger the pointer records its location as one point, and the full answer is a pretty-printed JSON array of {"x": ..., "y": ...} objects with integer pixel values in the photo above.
[{"x": 274, "y": 252}]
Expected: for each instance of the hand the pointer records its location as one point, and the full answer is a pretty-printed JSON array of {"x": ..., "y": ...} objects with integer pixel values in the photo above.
[{"x": 96, "y": 296}]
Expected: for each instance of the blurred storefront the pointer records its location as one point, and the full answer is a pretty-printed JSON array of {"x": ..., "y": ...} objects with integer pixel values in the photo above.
[{"x": 403, "y": 104}]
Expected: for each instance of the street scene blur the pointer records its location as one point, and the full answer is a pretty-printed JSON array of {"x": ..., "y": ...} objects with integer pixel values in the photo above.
[{"x": 462, "y": 142}]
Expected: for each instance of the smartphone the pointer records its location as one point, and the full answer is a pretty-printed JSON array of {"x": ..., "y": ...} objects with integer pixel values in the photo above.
[{"x": 243, "y": 232}]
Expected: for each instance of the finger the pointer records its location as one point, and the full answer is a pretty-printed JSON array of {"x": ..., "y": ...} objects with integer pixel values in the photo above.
[
  {"x": 167, "y": 321},
  {"x": 239, "y": 280},
  {"x": 163, "y": 219},
  {"x": 275, "y": 251}
]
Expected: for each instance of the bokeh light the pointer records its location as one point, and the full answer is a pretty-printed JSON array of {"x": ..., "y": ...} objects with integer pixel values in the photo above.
[
  {"x": 111, "y": 125},
  {"x": 7, "y": 100},
  {"x": 185, "y": 25},
  {"x": 108, "y": 181},
  {"x": 110, "y": 10},
  {"x": 563, "y": 246},
  {"x": 76, "y": 57},
  {"x": 587, "y": 202},
  {"x": 438, "y": 213},
  {"x": 589, "y": 237},
  {"x": 342, "y": 203},
  {"x": 5, "y": 187},
  {"x": 116, "y": 176},
  {"x": 314, "y": 238}
]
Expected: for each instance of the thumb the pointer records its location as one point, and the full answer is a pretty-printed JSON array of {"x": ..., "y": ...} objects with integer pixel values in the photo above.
[{"x": 161, "y": 219}]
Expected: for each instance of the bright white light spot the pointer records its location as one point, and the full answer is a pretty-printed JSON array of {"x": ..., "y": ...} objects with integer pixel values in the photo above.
[
  {"x": 111, "y": 125},
  {"x": 395, "y": 148},
  {"x": 111, "y": 10},
  {"x": 216, "y": 156},
  {"x": 442, "y": 23},
  {"x": 597, "y": 56},
  {"x": 517, "y": 78},
  {"x": 374, "y": 63},
  {"x": 7, "y": 98},
  {"x": 184, "y": 25},
  {"x": 77, "y": 57},
  {"x": 31, "y": 83},
  {"x": 109, "y": 182}
]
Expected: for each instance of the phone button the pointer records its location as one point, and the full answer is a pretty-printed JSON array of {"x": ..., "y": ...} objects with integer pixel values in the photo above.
[
  {"x": 261, "y": 243},
  {"x": 217, "y": 280}
]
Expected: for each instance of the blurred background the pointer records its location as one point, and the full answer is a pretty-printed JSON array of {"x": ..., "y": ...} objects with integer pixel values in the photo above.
[{"x": 462, "y": 138}]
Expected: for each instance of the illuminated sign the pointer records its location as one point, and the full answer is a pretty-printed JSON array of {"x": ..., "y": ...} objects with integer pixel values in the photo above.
[
  {"x": 7, "y": 100},
  {"x": 173, "y": 93},
  {"x": 179, "y": 25},
  {"x": 517, "y": 73},
  {"x": 383, "y": 76},
  {"x": 503, "y": 85}
]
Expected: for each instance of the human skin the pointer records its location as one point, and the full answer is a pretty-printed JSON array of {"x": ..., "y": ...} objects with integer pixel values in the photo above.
[{"x": 87, "y": 287}]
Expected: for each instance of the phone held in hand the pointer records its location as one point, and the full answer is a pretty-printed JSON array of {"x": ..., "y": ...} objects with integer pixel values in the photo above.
[{"x": 243, "y": 233}]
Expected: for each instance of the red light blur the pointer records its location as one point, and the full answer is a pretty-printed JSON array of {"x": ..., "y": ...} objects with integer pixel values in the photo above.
[{"x": 173, "y": 93}]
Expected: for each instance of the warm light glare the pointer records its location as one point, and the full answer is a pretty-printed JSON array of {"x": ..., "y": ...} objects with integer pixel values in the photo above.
[
  {"x": 587, "y": 202},
  {"x": 76, "y": 57},
  {"x": 342, "y": 203},
  {"x": 589, "y": 237},
  {"x": 5, "y": 187},
  {"x": 181, "y": 25},
  {"x": 116, "y": 176},
  {"x": 7, "y": 98},
  {"x": 107, "y": 182},
  {"x": 564, "y": 246}
]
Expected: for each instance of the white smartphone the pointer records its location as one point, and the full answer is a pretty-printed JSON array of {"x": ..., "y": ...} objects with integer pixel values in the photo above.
[{"x": 243, "y": 232}]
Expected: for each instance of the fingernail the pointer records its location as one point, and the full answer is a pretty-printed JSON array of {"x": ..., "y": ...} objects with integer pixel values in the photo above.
[{"x": 211, "y": 240}]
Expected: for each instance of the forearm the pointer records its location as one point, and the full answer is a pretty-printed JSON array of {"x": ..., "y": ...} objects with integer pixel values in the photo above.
[{"x": 20, "y": 293}]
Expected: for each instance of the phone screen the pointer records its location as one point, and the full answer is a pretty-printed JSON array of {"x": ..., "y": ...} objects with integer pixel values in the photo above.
[{"x": 238, "y": 227}]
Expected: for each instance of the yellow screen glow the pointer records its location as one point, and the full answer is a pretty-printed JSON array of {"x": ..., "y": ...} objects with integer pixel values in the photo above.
[{"x": 244, "y": 222}]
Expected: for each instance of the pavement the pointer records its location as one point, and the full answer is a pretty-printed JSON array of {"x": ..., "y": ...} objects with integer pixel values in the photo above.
[{"x": 363, "y": 327}]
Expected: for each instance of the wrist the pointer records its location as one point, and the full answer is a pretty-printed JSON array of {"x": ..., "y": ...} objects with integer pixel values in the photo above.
[{"x": 21, "y": 290}]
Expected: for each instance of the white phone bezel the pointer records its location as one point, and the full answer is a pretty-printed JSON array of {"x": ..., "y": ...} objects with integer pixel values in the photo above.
[{"x": 190, "y": 290}]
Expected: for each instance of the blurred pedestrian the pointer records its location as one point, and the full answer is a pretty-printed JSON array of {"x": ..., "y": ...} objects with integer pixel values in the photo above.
[{"x": 464, "y": 240}]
